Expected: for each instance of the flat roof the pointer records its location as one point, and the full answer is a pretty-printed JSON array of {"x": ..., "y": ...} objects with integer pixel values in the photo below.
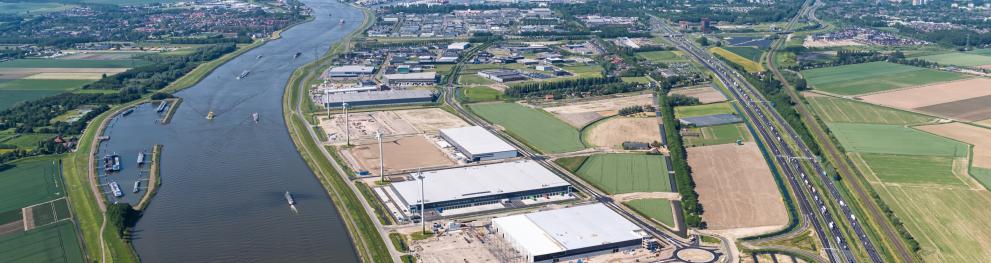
[
  {"x": 376, "y": 96},
  {"x": 476, "y": 181},
  {"x": 352, "y": 68},
  {"x": 416, "y": 76},
  {"x": 477, "y": 140},
  {"x": 568, "y": 228}
]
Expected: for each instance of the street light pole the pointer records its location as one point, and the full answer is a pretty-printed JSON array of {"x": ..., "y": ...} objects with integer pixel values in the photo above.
[
  {"x": 378, "y": 135},
  {"x": 347, "y": 124},
  {"x": 423, "y": 217}
]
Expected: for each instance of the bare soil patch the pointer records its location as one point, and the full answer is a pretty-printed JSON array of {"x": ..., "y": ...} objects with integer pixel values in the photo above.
[
  {"x": 932, "y": 94},
  {"x": 67, "y": 75},
  {"x": 31, "y": 71},
  {"x": 973, "y": 109},
  {"x": 736, "y": 187},
  {"x": 580, "y": 113},
  {"x": 705, "y": 94},
  {"x": 11, "y": 228},
  {"x": 28, "y": 214},
  {"x": 614, "y": 131},
  {"x": 431, "y": 120},
  {"x": 977, "y": 136},
  {"x": 401, "y": 154}
]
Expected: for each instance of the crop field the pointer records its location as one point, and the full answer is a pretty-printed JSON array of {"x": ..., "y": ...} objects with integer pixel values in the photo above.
[
  {"x": 9, "y": 98},
  {"x": 43, "y": 84},
  {"x": 73, "y": 63},
  {"x": 747, "y": 64},
  {"x": 477, "y": 94},
  {"x": 28, "y": 7},
  {"x": 52, "y": 243},
  {"x": 983, "y": 176},
  {"x": 719, "y": 134},
  {"x": 959, "y": 59},
  {"x": 703, "y": 110},
  {"x": 873, "y": 77},
  {"x": 662, "y": 56},
  {"x": 705, "y": 94},
  {"x": 658, "y": 209},
  {"x": 912, "y": 169},
  {"x": 894, "y": 139},
  {"x": 614, "y": 131},
  {"x": 27, "y": 141},
  {"x": 979, "y": 137},
  {"x": 736, "y": 187},
  {"x": 832, "y": 109},
  {"x": 583, "y": 71},
  {"x": 750, "y": 53},
  {"x": 582, "y": 113},
  {"x": 535, "y": 127},
  {"x": 626, "y": 173},
  {"x": 640, "y": 80},
  {"x": 31, "y": 181}
]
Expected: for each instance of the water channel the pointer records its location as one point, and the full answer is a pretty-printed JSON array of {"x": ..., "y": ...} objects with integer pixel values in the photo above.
[{"x": 223, "y": 180}]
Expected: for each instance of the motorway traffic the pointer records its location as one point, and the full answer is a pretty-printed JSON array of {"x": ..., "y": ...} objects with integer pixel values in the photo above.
[{"x": 811, "y": 201}]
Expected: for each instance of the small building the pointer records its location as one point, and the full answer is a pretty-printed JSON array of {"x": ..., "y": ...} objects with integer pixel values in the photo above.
[
  {"x": 410, "y": 79},
  {"x": 458, "y": 46},
  {"x": 502, "y": 75},
  {"x": 350, "y": 71},
  {"x": 491, "y": 184},
  {"x": 569, "y": 233},
  {"x": 710, "y": 120},
  {"x": 375, "y": 98},
  {"x": 528, "y": 61},
  {"x": 478, "y": 144}
]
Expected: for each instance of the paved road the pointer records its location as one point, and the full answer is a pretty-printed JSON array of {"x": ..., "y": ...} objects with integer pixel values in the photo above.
[{"x": 842, "y": 167}]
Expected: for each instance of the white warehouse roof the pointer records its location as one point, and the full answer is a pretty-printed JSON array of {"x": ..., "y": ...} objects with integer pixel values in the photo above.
[
  {"x": 411, "y": 76},
  {"x": 353, "y": 69},
  {"x": 567, "y": 229},
  {"x": 476, "y": 181},
  {"x": 477, "y": 140}
]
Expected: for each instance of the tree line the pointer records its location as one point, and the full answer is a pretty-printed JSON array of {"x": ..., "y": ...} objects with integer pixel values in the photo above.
[
  {"x": 691, "y": 208},
  {"x": 573, "y": 87}
]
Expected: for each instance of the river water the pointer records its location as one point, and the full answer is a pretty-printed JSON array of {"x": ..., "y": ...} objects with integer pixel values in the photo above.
[{"x": 223, "y": 180}]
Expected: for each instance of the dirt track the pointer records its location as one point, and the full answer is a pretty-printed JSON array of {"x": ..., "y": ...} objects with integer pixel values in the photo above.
[
  {"x": 613, "y": 132},
  {"x": 736, "y": 187},
  {"x": 979, "y": 137}
]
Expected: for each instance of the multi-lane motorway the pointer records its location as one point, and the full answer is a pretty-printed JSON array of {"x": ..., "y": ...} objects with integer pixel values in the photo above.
[{"x": 811, "y": 201}]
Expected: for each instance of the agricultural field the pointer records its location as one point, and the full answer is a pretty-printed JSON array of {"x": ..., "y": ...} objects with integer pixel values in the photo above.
[
  {"x": 959, "y": 59},
  {"x": 52, "y": 243},
  {"x": 750, "y": 53},
  {"x": 983, "y": 176},
  {"x": 42, "y": 232},
  {"x": 873, "y": 77},
  {"x": 640, "y": 80},
  {"x": 978, "y": 137},
  {"x": 535, "y": 127},
  {"x": 705, "y": 94},
  {"x": 832, "y": 109},
  {"x": 31, "y": 181},
  {"x": 894, "y": 139},
  {"x": 747, "y": 64},
  {"x": 965, "y": 99},
  {"x": 713, "y": 135},
  {"x": 479, "y": 94},
  {"x": 736, "y": 187},
  {"x": 30, "y": 79},
  {"x": 613, "y": 132},
  {"x": 583, "y": 71},
  {"x": 703, "y": 110},
  {"x": 662, "y": 56},
  {"x": 29, "y": 7},
  {"x": 912, "y": 169},
  {"x": 658, "y": 209},
  {"x": 582, "y": 113},
  {"x": 73, "y": 63},
  {"x": 626, "y": 173}
]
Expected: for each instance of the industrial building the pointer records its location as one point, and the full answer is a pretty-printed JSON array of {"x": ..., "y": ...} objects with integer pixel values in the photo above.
[
  {"x": 710, "y": 120},
  {"x": 569, "y": 233},
  {"x": 350, "y": 71},
  {"x": 495, "y": 185},
  {"x": 374, "y": 98},
  {"x": 478, "y": 144},
  {"x": 502, "y": 75},
  {"x": 410, "y": 79}
]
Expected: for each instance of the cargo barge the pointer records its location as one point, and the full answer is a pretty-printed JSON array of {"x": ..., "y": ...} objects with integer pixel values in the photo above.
[
  {"x": 290, "y": 199},
  {"x": 115, "y": 188},
  {"x": 161, "y": 107}
]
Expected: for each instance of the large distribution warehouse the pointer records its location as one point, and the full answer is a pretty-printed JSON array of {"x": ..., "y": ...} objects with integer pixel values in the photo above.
[
  {"x": 492, "y": 184},
  {"x": 569, "y": 233},
  {"x": 478, "y": 144}
]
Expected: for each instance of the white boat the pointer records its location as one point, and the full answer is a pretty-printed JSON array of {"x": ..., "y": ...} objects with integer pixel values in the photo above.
[
  {"x": 115, "y": 188},
  {"x": 137, "y": 184}
]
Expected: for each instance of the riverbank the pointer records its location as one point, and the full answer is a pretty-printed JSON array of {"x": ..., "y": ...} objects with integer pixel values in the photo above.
[
  {"x": 153, "y": 180},
  {"x": 365, "y": 235},
  {"x": 87, "y": 200},
  {"x": 172, "y": 109}
]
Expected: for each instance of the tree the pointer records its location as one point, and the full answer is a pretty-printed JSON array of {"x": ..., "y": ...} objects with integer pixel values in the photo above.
[{"x": 702, "y": 41}]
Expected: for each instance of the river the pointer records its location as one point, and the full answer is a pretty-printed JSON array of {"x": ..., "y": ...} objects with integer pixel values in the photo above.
[{"x": 223, "y": 180}]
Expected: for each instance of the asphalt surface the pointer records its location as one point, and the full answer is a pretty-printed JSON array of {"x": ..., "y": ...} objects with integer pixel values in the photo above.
[{"x": 811, "y": 201}]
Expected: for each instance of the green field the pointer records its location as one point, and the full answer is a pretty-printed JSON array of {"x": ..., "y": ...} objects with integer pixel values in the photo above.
[
  {"x": 703, "y": 110},
  {"x": 32, "y": 8},
  {"x": 73, "y": 63},
  {"x": 534, "y": 127},
  {"x": 27, "y": 141},
  {"x": 657, "y": 209},
  {"x": 747, "y": 64},
  {"x": 43, "y": 84},
  {"x": 583, "y": 71},
  {"x": 661, "y": 56},
  {"x": 52, "y": 243},
  {"x": 31, "y": 181},
  {"x": 983, "y": 176},
  {"x": 894, "y": 139},
  {"x": 912, "y": 169},
  {"x": 750, "y": 53},
  {"x": 983, "y": 51},
  {"x": 641, "y": 80},
  {"x": 959, "y": 59},
  {"x": 9, "y": 98},
  {"x": 476, "y": 94},
  {"x": 873, "y": 77},
  {"x": 832, "y": 109},
  {"x": 719, "y": 134},
  {"x": 626, "y": 173},
  {"x": 473, "y": 79}
]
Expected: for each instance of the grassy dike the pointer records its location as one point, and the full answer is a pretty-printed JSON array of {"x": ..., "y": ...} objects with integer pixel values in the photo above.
[
  {"x": 86, "y": 205},
  {"x": 361, "y": 228}
]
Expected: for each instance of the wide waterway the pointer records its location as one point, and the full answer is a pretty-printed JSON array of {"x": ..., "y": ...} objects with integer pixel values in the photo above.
[{"x": 223, "y": 180}]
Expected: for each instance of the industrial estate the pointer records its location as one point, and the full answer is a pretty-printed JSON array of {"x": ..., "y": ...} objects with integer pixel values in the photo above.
[{"x": 495, "y": 131}]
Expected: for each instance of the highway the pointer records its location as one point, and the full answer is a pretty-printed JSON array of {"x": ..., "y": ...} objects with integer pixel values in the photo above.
[{"x": 811, "y": 202}]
